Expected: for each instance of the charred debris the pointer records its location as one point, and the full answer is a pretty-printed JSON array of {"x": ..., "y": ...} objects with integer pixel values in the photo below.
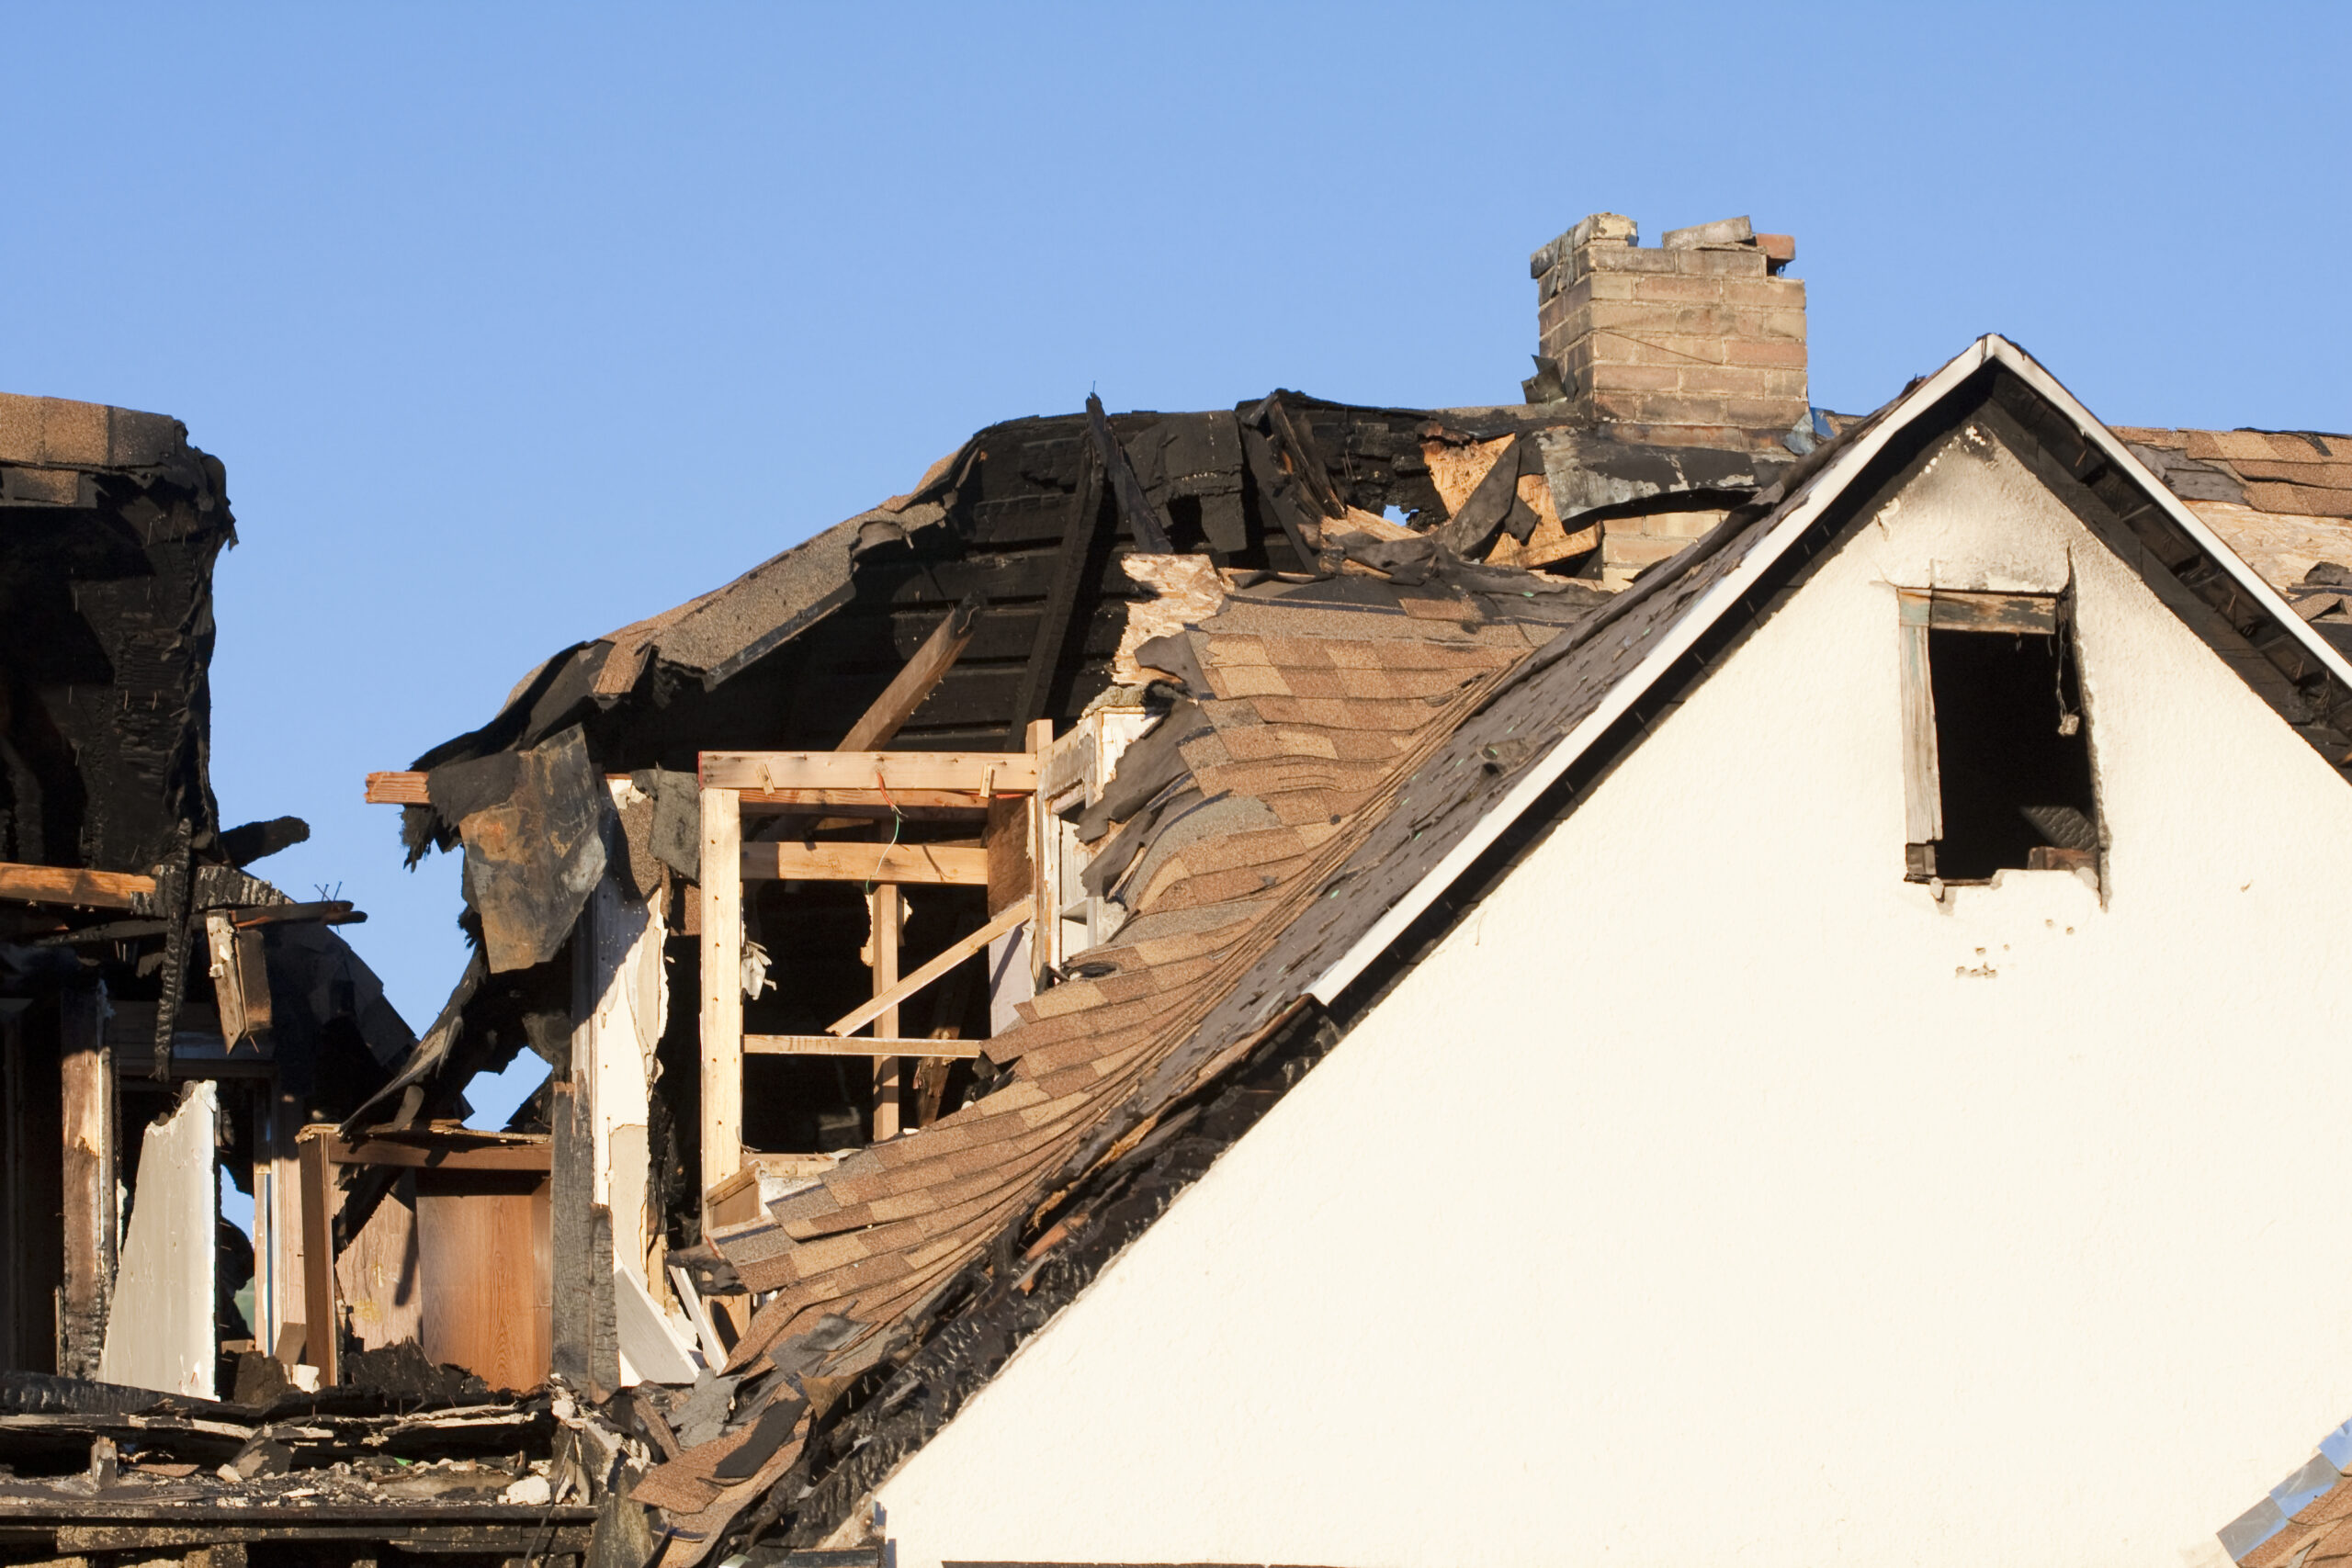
[
  {"x": 817, "y": 886},
  {"x": 798, "y": 888},
  {"x": 902, "y": 926}
]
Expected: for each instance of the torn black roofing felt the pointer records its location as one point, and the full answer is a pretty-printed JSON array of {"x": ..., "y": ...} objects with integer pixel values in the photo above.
[
  {"x": 1540, "y": 741},
  {"x": 1026, "y": 518},
  {"x": 109, "y": 524}
]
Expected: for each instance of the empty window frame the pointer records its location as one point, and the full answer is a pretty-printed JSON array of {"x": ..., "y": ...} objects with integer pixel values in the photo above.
[{"x": 1997, "y": 752}]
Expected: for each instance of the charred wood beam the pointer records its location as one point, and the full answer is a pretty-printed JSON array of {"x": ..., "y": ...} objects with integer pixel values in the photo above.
[
  {"x": 1053, "y": 628},
  {"x": 921, "y": 675},
  {"x": 175, "y": 901},
  {"x": 1143, "y": 518},
  {"x": 1305, "y": 462},
  {"x": 1278, "y": 495}
]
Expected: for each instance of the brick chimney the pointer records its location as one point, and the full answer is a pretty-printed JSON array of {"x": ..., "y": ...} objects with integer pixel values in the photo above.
[{"x": 1697, "y": 342}]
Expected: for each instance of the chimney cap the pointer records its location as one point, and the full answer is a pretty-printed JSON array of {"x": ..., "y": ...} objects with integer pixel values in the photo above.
[{"x": 1724, "y": 231}]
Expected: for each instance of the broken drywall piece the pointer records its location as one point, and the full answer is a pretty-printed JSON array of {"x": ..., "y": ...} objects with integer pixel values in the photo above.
[
  {"x": 650, "y": 1348},
  {"x": 161, "y": 1333},
  {"x": 714, "y": 1353}
]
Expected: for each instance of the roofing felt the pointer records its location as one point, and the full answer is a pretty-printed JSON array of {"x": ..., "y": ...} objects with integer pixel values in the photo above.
[{"x": 1351, "y": 780}]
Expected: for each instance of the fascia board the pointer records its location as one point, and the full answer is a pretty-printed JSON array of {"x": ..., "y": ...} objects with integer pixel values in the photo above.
[
  {"x": 2030, "y": 372},
  {"x": 1819, "y": 491}
]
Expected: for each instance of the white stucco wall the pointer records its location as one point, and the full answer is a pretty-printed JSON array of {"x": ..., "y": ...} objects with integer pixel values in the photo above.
[{"x": 1694, "y": 1204}]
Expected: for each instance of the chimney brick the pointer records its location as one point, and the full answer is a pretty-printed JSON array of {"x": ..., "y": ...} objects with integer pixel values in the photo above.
[{"x": 1697, "y": 342}]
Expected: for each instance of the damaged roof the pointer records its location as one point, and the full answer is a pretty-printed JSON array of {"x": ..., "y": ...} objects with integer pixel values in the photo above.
[{"x": 1354, "y": 763}]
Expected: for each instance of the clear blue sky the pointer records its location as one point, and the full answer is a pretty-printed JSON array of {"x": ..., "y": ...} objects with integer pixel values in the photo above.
[{"x": 513, "y": 324}]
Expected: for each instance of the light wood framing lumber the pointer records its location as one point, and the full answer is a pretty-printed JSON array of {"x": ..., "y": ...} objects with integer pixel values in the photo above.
[
  {"x": 951, "y": 864},
  {"x": 983, "y": 773},
  {"x": 402, "y": 788},
  {"x": 532, "y": 1157},
  {"x": 885, "y": 1002},
  {"x": 858, "y": 1046},
  {"x": 722, "y": 896},
  {"x": 71, "y": 884},
  {"x": 915, "y": 681},
  {"x": 914, "y": 805},
  {"x": 884, "y": 903},
  {"x": 406, "y": 787}
]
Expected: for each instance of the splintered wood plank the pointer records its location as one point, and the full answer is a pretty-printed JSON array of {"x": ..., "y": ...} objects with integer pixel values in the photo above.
[
  {"x": 407, "y": 788},
  {"x": 89, "y": 889},
  {"x": 908, "y": 689},
  {"x": 951, "y": 864},
  {"x": 396, "y": 789},
  {"x": 885, "y": 1003},
  {"x": 86, "y": 1068},
  {"x": 721, "y": 896},
  {"x": 859, "y": 1045},
  {"x": 983, "y": 773}
]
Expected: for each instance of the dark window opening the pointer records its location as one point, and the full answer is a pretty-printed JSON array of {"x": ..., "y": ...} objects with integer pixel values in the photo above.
[{"x": 2012, "y": 754}]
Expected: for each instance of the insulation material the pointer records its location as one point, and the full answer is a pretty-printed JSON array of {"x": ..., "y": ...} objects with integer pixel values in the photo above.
[
  {"x": 1186, "y": 590},
  {"x": 161, "y": 1335},
  {"x": 651, "y": 1350}
]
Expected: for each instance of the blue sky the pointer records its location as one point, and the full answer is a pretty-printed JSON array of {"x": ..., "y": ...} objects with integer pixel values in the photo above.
[{"x": 513, "y": 324}]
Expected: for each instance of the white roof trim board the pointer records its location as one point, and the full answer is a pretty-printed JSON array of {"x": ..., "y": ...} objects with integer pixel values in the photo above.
[{"x": 1799, "y": 514}]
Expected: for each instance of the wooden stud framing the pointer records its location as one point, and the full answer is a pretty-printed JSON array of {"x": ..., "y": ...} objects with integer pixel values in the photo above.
[
  {"x": 883, "y": 951},
  {"x": 984, "y": 773},
  {"x": 866, "y": 779},
  {"x": 721, "y": 894},
  {"x": 857, "y": 1046},
  {"x": 882, "y": 1012},
  {"x": 954, "y": 865}
]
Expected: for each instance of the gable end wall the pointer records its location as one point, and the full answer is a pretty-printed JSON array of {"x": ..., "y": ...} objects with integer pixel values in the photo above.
[{"x": 1709, "y": 1191}]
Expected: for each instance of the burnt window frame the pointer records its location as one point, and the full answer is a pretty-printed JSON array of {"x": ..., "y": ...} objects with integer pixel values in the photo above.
[{"x": 1923, "y": 611}]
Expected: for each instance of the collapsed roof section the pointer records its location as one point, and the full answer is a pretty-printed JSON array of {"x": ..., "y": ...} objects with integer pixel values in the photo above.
[
  {"x": 145, "y": 975},
  {"x": 1031, "y": 531},
  {"x": 1337, "y": 787}
]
